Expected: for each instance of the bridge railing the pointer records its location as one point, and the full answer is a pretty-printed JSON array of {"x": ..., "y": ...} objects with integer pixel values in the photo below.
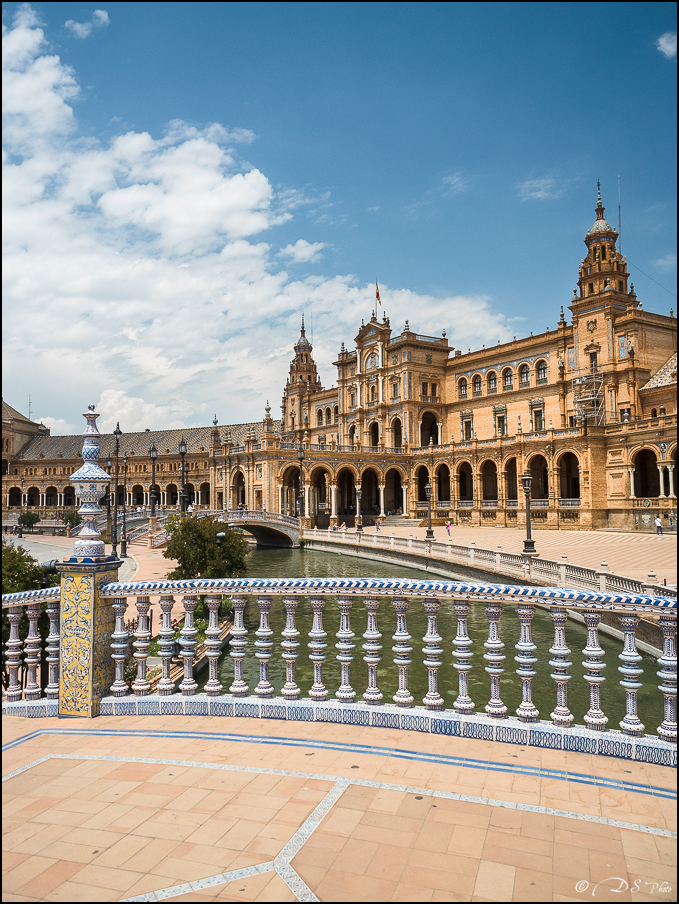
[{"x": 341, "y": 595}]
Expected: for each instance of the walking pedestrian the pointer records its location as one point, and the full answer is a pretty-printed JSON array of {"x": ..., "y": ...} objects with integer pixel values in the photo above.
[
  {"x": 448, "y": 527},
  {"x": 658, "y": 526},
  {"x": 377, "y": 526}
]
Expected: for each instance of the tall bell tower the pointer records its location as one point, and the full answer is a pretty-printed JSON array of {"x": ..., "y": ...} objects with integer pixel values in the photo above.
[{"x": 303, "y": 380}]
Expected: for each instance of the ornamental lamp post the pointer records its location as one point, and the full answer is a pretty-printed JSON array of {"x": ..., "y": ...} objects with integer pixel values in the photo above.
[
  {"x": 109, "y": 465},
  {"x": 153, "y": 452},
  {"x": 359, "y": 518},
  {"x": 528, "y": 543},
  {"x": 20, "y": 531},
  {"x": 123, "y": 541},
  {"x": 182, "y": 498},
  {"x": 300, "y": 458},
  {"x": 430, "y": 532},
  {"x": 114, "y": 545}
]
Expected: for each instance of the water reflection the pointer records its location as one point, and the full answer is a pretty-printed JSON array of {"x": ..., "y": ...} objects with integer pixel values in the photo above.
[{"x": 312, "y": 563}]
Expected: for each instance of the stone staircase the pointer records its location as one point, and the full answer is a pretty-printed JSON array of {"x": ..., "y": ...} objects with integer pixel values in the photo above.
[{"x": 398, "y": 521}]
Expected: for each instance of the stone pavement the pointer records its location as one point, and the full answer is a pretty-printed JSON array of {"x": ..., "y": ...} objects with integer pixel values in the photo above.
[{"x": 199, "y": 809}]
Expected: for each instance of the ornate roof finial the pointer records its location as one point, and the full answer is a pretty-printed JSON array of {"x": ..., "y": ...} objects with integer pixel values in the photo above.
[
  {"x": 561, "y": 315},
  {"x": 214, "y": 421},
  {"x": 598, "y": 189},
  {"x": 302, "y": 324}
]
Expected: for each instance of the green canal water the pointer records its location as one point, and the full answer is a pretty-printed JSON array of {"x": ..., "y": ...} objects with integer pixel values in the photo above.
[{"x": 284, "y": 563}]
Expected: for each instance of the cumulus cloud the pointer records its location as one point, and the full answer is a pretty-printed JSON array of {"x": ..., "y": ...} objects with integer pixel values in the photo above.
[
  {"x": 140, "y": 273},
  {"x": 303, "y": 252},
  {"x": 667, "y": 44},
  {"x": 539, "y": 189},
  {"x": 669, "y": 262},
  {"x": 84, "y": 29}
]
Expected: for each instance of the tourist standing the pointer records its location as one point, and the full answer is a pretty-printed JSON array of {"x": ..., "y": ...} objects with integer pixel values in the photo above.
[
  {"x": 658, "y": 526},
  {"x": 448, "y": 527}
]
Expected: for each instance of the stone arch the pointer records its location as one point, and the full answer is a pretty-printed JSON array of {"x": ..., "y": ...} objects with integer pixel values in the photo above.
[
  {"x": 539, "y": 471},
  {"x": 541, "y": 370},
  {"x": 346, "y": 495},
  {"x": 524, "y": 373},
  {"x": 204, "y": 494},
  {"x": 319, "y": 417},
  {"x": 32, "y": 497},
  {"x": 393, "y": 490},
  {"x": 569, "y": 475},
  {"x": 421, "y": 480},
  {"x": 477, "y": 384},
  {"x": 443, "y": 482},
  {"x": 237, "y": 489},
  {"x": 171, "y": 494},
  {"x": 507, "y": 378},
  {"x": 374, "y": 434},
  {"x": 289, "y": 478},
  {"x": 370, "y": 492},
  {"x": 335, "y": 414},
  {"x": 491, "y": 381},
  {"x": 646, "y": 474},
  {"x": 352, "y": 435},
  {"x": 328, "y": 415},
  {"x": 15, "y": 496},
  {"x": 137, "y": 494},
  {"x": 462, "y": 388},
  {"x": 429, "y": 428},
  {"x": 52, "y": 495},
  {"x": 488, "y": 477},
  {"x": 319, "y": 494},
  {"x": 511, "y": 475},
  {"x": 465, "y": 481},
  {"x": 396, "y": 427}
]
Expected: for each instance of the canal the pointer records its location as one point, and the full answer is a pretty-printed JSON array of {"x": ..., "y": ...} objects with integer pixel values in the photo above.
[{"x": 283, "y": 563}]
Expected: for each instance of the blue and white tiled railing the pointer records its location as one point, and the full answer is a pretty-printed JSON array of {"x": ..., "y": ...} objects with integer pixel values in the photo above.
[{"x": 435, "y": 714}]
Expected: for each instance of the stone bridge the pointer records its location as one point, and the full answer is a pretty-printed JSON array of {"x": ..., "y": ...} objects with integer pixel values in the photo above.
[{"x": 268, "y": 528}]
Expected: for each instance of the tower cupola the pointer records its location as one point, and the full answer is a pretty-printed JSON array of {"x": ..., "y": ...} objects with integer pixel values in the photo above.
[{"x": 603, "y": 272}]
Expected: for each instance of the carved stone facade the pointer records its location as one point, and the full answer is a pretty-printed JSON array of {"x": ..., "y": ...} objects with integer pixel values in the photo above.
[{"x": 588, "y": 408}]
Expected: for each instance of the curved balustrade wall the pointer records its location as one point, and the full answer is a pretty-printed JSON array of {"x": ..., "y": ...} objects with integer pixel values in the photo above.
[{"x": 361, "y": 658}]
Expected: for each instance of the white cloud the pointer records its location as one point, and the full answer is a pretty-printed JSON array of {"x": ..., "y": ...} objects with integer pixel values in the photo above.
[
  {"x": 377, "y": 207},
  {"x": 667, "y": 44},
  {"x": 137, "y": 275},
  {"x": 669, "y": 262},
  {"x": 58, "y": 426},
  {"x": 454, "y": 183},
  {"x": 539, "y": 189},
  {"x": 85, "y": 29},
  {"x": 303, "y": 252}
]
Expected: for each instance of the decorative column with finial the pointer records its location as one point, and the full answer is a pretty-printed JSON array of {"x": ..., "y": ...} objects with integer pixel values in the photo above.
[{"x": 86, "y": 669}]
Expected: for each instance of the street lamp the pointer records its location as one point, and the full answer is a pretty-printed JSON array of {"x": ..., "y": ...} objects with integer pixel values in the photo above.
[
  {"x": 182, "y": 498},
  {"x": 114, "y": 545},
  {"x": 123, "y": 541},
  {"x": 359, "y": 518},
  {"x": 528, "y": 543},
  {"x": 430, "y": 532},
  {"x": 300, "y": 458},
  {"x": 153, "y": 452},
  {"x": 20, "y": 531},
  {"x": 109, "y": 465}
]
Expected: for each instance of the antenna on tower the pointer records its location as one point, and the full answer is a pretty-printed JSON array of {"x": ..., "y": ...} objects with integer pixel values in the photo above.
[{"x": 619, "y": 219}]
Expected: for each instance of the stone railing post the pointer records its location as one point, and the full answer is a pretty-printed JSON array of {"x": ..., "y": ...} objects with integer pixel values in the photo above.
[
  {"x": 603, "y": 571},
  {"x": 317, "y": 645},
  {"x": 13, "y": 654},
  {"x": 166, "y": 644},
  {"x": 263, "y": 645},
  {"x": 526, "y": 659},
  {"x": 142, "y": 635},
  {"x": 562, "y": 571},
  {"x": 52, "y": 689},
  {"x": 594, "y": 666},
  {"x": 345, "y": 648},
  {"x": 494, "y": 657},
  {"x": 463, "y": 655},
  {"x": 290, "y": 645},
  {"x": 372, "y": 647},
  {"x": 402, "y": 697},
  {"x": 187, "y": 639},
  {"x": 32, "y": 652},
  {"x": 239, "y": 643},
  {"x": 561, "y": 716},
  {"x": 214, "y": 686},
  {"x": 668, "y": 677},
  {"x": 630, "y": 670},
  {"x": 432, "y": 655}
]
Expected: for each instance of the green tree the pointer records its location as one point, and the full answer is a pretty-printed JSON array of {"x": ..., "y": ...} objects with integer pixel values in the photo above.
[
  {"x": 72, "y": 518},
  {"x": 193, "y": 543},
  {"x": 29, "y": 519}
]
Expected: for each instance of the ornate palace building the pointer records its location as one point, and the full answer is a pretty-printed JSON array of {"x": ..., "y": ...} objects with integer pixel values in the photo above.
[{"x": 588, "y": 409}]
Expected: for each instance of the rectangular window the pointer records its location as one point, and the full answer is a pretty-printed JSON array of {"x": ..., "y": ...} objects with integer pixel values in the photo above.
[
  {"x": 538, "y": 420},
  {"x": 501, "y": 425},
  {"x": 409, "y": 356},
  {"x": 425, "y": 387},
  {"x": 394, "y": 390},
  {"x": 467, "y": 429},
  {"x": 591, "y": 288},
  {"x": 612, "y": 403},
  {"x": 622, "y": 347},
  {"x": 353, "y": 399},
  {"x": 433, "y": 389},
  {"x": 571, "y": 359}
]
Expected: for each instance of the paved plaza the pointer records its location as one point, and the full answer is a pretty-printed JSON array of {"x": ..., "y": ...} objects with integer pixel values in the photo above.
[{"x": 198, "y": 809}]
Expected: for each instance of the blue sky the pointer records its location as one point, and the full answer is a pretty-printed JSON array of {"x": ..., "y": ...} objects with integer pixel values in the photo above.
[{"x": 183, "y": 180}]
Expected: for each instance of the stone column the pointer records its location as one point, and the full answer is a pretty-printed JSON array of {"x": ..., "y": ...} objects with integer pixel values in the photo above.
[
  {"x": 631, "y": 483},
  {"x": 661, "y": 478},
  {"x": 404, "y": 490},
  {"x": 381, "y": 486},
  {"x": 333, "y": 500},
  {"x": 86, "y": 669},
  {"x": 670, "y": 469}
]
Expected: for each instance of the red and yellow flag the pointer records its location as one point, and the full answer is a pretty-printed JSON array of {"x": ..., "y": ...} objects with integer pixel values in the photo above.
[{"x": 377, "y": 293}]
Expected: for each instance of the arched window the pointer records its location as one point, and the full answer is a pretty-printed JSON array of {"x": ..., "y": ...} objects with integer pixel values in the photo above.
[
  {"x": 336, "y": 413},
  {"x": 328, "y": 416},
  {"x": 524, "y": 375},
  {"x": 542, "y": 371},
  {"x": 507, "y": 379},
  {"x": 373, "y": 393},
  {"x": 492, "y": 381},
  {"x": 476, "y": 383},
  {"x": 319, "y": 417},
  {"x": 463, "y": 388}
]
